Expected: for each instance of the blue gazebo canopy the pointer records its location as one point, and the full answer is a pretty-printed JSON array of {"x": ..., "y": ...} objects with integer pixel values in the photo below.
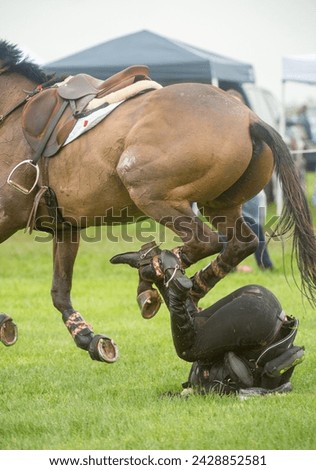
[{"x": 169, "y": 61}]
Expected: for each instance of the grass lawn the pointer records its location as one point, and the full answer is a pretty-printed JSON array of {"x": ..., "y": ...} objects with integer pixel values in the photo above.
[{"x": 53, "y": 396}]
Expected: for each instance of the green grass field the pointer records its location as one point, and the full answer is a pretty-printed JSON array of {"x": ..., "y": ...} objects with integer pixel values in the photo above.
[{"x": 53, "y": 396}]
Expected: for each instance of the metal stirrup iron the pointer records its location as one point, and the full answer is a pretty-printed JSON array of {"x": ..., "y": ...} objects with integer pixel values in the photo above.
[{"x": 18, "y": 186}]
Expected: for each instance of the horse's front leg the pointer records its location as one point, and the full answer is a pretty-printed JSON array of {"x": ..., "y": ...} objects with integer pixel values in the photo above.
[
  {"x": 240, "y": 242},
  {"x": 65, "y": 249}
]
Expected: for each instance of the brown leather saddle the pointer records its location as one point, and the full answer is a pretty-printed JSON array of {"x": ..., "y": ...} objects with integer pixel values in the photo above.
[{"x": 49, "y": 116}]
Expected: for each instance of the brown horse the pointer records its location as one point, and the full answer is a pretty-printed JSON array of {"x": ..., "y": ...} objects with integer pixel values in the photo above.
[{"x": 153, "y": 156}]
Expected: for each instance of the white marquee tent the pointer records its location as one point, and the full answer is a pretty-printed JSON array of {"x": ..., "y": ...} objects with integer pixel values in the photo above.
[{"x": 299, "y": 69}]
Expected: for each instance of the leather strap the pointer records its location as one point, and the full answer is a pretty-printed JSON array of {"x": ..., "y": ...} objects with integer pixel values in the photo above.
[
  {"x": 49, "y": 132},
  {"x": 32, "y": 217},
  {"x": 20, "y": 103},
  {"x": 50, "y": 196}
]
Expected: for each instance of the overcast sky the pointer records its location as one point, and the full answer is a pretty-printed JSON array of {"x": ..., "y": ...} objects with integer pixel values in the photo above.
[{"x": 259, "y": 32}]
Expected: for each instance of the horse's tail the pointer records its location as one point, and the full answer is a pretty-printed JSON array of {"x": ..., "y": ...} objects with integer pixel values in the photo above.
[{"x": 296, "y": 216}]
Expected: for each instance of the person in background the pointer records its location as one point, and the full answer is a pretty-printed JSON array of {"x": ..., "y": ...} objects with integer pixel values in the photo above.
[
  {"x": 252, "y": 212},
  {"x": 302, "y": 120}
]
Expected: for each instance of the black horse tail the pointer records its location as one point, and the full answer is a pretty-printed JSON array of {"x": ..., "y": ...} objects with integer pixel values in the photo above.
[{"x": 295, "y": 217}]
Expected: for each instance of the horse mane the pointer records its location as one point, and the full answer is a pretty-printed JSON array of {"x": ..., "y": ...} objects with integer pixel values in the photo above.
[{"x": 13, "y": 58}]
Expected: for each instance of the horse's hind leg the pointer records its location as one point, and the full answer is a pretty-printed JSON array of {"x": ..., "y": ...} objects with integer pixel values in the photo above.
[
  {"x": 240, "y": 243},
  {"x": 199, "y": 242},
  {"x": 100, "y": 347}
]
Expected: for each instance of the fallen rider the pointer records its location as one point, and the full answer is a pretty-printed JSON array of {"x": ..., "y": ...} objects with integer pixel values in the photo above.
[{"x": 243, "y": 344}]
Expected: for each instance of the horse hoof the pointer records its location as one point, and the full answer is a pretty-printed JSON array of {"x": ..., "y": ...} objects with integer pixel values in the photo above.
[
  {"x": 103, "y": 349},
  {"x": 8, "y": 330},
  {"x": 149, "y": 303}
]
